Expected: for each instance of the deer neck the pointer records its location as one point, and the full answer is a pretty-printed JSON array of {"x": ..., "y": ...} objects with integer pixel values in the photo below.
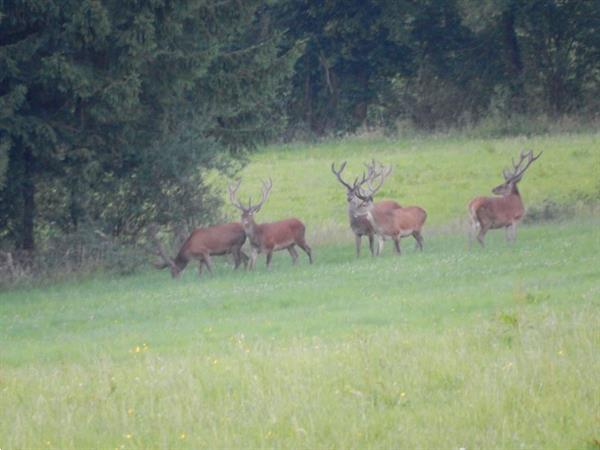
[
  {"x": 514, "y": 196},
  {"x": 252, "y": 230}
]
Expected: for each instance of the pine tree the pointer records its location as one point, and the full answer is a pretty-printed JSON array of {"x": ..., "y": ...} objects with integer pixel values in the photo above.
[{"x": 110, "y": 108}]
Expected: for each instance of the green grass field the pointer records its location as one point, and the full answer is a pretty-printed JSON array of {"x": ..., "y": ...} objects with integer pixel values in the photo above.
[
  {"x": 495, "y": 348},
  {"x": 441, "y": 174}
]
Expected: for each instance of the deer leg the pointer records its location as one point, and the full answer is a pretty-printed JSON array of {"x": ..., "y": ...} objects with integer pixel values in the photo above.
[
  {"x": 243, "y": 258},
  {"x": 253, "y": 256},
  {"x": 511, "y": 232},
  {"x": 419, "y": 238},
  {"x": 200, "y": 264},
  {"x": 481, "y": 235},
  {"x": 357, "y": 239},
  {"x": 235, "y": 252},
  {"x": 304, "y": 246},
  {"x": 473, "y": 230},
  {"x": 269, "y": 256},
  {"x": 374, "y": 251},
  {"x": 293, "y": 254},
  {"x": 239, "y": 257},
  {"x": 207, "y": 262},
  {"x": 397, "y": 244},
  {"x": 379, "y": 244}
]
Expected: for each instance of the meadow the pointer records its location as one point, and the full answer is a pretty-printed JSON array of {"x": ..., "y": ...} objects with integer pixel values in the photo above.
[{"x": 449, "y": 348}]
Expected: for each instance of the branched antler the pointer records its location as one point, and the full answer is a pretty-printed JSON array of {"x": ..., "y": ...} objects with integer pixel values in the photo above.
[
  {"x": 152, "y": 232},
  {"x": 266, "y": 189},
  {"x": 233, "y": 188},
  {"x": 518, "y": 169},
  {"x": 338, "y": 174},
  {"x": 376, "y": 171}
]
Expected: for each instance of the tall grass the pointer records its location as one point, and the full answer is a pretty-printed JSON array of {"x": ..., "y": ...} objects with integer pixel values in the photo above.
[{"x": 449, "y": 348}]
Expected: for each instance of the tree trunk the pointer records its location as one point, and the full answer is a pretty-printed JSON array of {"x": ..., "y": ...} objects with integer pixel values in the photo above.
[
  {"x": 514, "y": 62},
  {"x": 28, "y": 193},
  {"x": 360, "y": 107}
]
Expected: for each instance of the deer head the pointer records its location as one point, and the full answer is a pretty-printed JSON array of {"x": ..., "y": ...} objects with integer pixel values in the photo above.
[
  {"x": 249, "y": 211},
  {"x": 514, "y": 175}
]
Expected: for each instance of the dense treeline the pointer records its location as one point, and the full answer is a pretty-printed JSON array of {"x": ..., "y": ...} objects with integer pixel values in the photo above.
[
  {"x": 441, "y": 62},
  {"x": 113, "y": 114}
]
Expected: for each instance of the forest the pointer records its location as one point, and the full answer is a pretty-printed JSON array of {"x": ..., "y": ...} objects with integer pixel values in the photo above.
[{"x": 115, "y": 116}]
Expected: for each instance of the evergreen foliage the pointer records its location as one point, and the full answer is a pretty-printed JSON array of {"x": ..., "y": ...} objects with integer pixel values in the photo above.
[
  {"x": 109, "y": 109},
  {"x": 441, "y": 62}
]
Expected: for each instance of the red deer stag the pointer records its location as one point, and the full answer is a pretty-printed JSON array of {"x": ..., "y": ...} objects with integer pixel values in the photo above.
[
  {"x": 504, "y": 211},
  {"x": 202, "y": 244},
  {"x": 269, "y": 237},
  {"x": 359, "y": 224},
  {"x": 394, "y": 223}
]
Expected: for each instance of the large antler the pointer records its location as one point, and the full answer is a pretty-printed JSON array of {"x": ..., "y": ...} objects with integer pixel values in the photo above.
[
  {"x": 518, "y": 171},
  {"x": 160, "y": 251},
  {"x": 358, "y": 181},
  {"x": 233, "y": 195},
  {"x": 376, "y": 171},
  {"x": 266, "y": 190},
  {"x": 338, "y": 174}
]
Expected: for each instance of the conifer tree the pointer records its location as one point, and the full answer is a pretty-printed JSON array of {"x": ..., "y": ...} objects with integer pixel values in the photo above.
[{"x": 108, "y": 109}]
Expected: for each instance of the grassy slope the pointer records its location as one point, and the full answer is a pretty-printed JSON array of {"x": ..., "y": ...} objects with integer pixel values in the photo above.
[
  {"x": 445, "y": 349},
  {"x": 439, "y": 174}
]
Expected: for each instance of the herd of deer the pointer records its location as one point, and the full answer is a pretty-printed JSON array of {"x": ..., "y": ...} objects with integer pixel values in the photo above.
[{"x": 376, "y": 220}]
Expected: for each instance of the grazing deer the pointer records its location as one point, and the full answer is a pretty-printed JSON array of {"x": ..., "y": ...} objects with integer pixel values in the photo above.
[
  {"x": 394, "y": 223},
  {"x": 202, "y": 244},
  {"x": 505, "y": 211},
  {"x": 269, "y": 237},
  {"x": 359, "y": 223}
]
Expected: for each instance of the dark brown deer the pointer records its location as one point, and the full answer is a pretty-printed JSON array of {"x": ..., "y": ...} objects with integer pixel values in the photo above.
[
  {"x": 393, "y": 223},
  {"x": 504, "y": 211},
  {"x": 269, "y": 237},
  {"x": 202, "y": 244},
  {"x": 359, "y": 223}
]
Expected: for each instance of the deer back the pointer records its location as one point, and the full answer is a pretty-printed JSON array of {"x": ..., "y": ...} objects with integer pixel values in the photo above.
[
  {"x": 398, "y": 221},
  {"x": 497, "y": 212},
  {"x": 214, "y": 240},
  {"x": 278, "y": 234}
]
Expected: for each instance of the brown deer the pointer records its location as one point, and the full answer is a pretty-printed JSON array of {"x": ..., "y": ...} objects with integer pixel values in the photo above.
[
  {"x": 202, "y": 244},
  {"x": 394, "y": 223},
  {"x": 269, "y": 237},
  {"x": 505, "y": 211},
  {"x": 359, "y": 223}
]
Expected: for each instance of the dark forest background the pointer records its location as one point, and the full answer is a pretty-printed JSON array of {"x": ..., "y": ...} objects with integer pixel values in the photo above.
[{"x": 113, "y": 113}]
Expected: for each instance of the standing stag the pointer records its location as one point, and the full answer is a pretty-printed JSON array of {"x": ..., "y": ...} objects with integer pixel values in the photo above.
[
  {"x": 202, "y": 244},
  {"x": 505, "y": 211},
  {"x": 394, "y": 223},
  {"x": 359, "y": 223},
  {"x": 269, "y": 237}
]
